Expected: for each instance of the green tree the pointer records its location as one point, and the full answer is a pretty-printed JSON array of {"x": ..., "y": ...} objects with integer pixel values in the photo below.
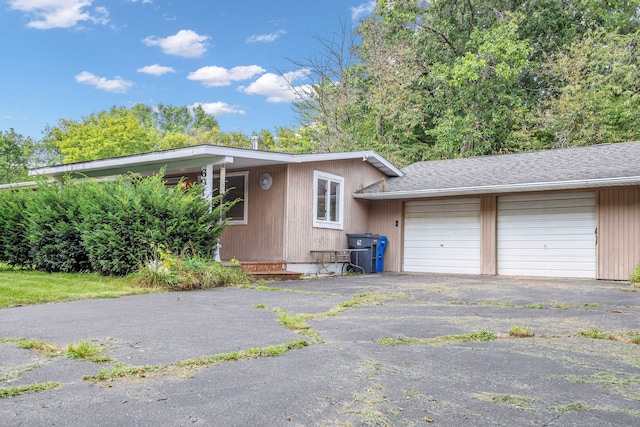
[
  {"x": 599, "y": 96},
  {"x": 15, "y": 151},
  {"x": 202, "y": 121},
  {"x": 443, "y": 79},
  {"x": 117, "y": 132}
]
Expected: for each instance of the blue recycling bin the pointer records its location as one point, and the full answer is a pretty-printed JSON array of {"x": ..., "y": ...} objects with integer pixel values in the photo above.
[{"x": 382, "y": 243}]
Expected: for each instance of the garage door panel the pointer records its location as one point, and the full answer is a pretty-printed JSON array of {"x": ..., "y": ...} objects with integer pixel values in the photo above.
[
  {"x": 460, "y": 245},
  {"x": 512, "y": 245},
  {"x": 452, "y": 254},
  {"x": 547, "y": 235},
  {"x": 558, "y": 234},
  {"x": 542, "y": 254},
  {"x": 542, "y": 205},
  {"x": 442, "y": 236},
  {"x": 580, "y": 271}
]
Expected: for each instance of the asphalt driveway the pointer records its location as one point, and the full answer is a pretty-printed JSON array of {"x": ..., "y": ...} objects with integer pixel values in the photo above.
[{"x": 387, "y": 349}]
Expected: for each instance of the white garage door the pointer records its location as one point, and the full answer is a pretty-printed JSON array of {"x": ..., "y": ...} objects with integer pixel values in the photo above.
[
  {"x": 547, "y": 235},
  {"x": 442, "y": 236}
]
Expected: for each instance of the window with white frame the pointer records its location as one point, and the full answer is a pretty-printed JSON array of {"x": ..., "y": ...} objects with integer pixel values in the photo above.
[
  {"x": 236, "y": 185},
  {"x": 328, "y": 197}
]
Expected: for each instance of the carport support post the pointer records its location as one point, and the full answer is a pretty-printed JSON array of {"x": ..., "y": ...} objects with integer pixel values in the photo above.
[
  {"x": 208, "y": 195},
  {"x": 222, "y": 189}
]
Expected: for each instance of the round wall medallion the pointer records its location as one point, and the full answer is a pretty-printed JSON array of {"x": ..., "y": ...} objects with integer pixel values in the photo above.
[{"x": 265, "y": 181}]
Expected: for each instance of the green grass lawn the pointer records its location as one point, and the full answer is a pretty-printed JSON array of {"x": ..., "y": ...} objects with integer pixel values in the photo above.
[{"x": 19, "y": 287}]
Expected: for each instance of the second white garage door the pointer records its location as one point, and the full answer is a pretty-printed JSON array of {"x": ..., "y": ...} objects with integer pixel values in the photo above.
[
  {"x": 547, "y": 235},
  {"x": 442, "y": 236}
]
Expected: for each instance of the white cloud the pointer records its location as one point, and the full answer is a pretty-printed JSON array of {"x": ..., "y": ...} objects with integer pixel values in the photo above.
[
  {"x": 47, "y": 14},
  {"x": 280, "y": 88},
  {"x": 362, "y": 10},
  {"x": 116, "y": 85},
  {"x": 214, "y": 76},
  {"x": 156, "y": 70},
  {"x": 219, "y": 108},
  {"x": 142, "y": 1},
  {"x": 13, "y": 118},
  {"x": 185, "y": 43},
  {"x": 265, "y": 38}
]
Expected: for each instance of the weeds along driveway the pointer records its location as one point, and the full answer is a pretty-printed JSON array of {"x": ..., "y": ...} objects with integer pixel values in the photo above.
[{"x": 374, "y": 350}]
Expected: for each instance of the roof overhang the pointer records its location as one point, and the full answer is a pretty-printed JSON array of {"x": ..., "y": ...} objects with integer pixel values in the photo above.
[
  {"x": 501, "y": 189},
  {"x": 191, "y": 159}
]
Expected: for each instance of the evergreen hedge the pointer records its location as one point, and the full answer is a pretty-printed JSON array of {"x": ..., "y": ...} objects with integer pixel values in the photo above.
[{"x": 110, "y": 227}]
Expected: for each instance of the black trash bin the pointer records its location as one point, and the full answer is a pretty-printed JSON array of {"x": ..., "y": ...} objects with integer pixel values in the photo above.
[{"x": 365, "y": 259}]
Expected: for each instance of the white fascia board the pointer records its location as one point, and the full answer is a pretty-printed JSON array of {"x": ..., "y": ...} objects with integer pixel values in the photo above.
[
  {"x": 204, "y": 152},
  {"x": 156, "y": 158},
  {"x": 370, "y": 156},
  {"x": 497, "y": 189}
]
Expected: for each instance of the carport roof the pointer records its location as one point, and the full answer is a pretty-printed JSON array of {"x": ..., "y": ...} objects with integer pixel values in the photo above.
[
  {"x": 593, "y": 166},
  {"x": 190, "y": 159}
]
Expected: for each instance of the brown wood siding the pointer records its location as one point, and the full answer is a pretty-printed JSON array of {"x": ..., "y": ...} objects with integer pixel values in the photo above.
[
  {"x": 262, "y": 238},
  {"x": 386, "y": 219},
  {"x": 302, "y": 237},
  {"x": 489, "y": 235},
  {"x": 618, "y": 238}
]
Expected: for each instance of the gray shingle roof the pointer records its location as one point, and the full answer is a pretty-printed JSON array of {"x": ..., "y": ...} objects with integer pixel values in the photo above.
[{"x": 579, "y": 167}]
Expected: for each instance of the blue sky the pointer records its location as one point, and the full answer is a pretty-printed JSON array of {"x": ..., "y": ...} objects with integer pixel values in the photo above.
[{"x": 69, "y": 58}]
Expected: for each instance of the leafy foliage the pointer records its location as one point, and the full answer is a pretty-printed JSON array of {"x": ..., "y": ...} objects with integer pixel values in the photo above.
[
  {"x": 51, "y": 226},
  {"x": 14, "y": 156},
  {"x": 444, "y": 79},
  {"x": 116, "y": 132},
  {"x": 15, "y": 249},
  {"x": 107, "y": 227},
  {"x": 182, "y": 273}
]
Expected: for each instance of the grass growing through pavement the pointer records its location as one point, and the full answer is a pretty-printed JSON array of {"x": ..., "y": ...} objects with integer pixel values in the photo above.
[
  {"x": 471, "y": 337},
  {"x": 595, "y": 334},
  {"x": 87, "y": 351},
  {"x": 299, "y": 323},
  {"x": 521, "y": 402},
  {"x": 123, "y": 372},
  {"x": 520, "y": 332},
  {"x": 21, "y": 287},
  {"x": 37, "y": 346},
  {"x": 80, "y": 350},
  {"x": 7, "y": 393}
]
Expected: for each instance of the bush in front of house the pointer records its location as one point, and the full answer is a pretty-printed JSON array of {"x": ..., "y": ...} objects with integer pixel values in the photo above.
[
  {"x": 108, "y": 227},
  {"x": 123, "y": 219},
  {"x": 51, "y": 217},
  {"x": 185, "y": 273},
  {"x": 14, "y": 242}
]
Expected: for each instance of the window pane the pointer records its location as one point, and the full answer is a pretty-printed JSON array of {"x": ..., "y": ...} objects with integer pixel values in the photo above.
[
  {"x": 321, "y": 213},
  {"x": 334, "y": 207},
  {"x": 235, "y": 188}
]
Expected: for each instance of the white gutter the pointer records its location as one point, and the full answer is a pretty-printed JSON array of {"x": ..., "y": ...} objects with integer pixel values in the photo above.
[
  {"x": 26, "y": 184},
  {"x": 505, "y": 188}
]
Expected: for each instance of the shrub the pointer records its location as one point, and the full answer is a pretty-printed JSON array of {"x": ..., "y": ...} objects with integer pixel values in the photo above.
[
  {"x": 109, "y": 227},
  {"x": 188, "y": 273},
  {"x": 52, "y": 217},
  {"x": 634, "y": 279},
  {"x": 125, "y": 218},
  {"x": 14, "y": 243}
]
